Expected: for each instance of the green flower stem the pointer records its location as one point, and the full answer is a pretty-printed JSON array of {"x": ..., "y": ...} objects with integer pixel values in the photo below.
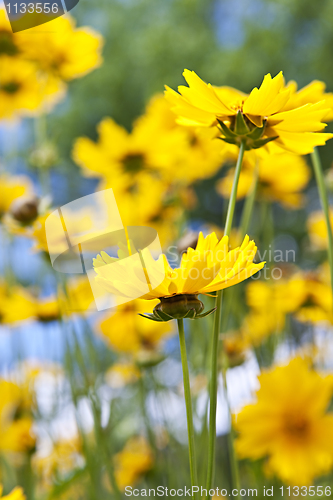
[
  {"x": 248, "y": 205},
  {"x": 188, "y": 403},
  {"x": 325, "y": 205},
  {"x": 233, "y": 194},
  {"x": 216, "y": 333},
  {"x": 231, "y": 449}
]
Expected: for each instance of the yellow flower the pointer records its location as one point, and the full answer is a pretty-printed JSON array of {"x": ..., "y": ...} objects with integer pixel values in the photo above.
[
  {"x": 19, "y": 304},
  {"x": 127, "y": 332},
  {"x": 63, "y": 458},
  {"x": 12, "y": 188},
  {"x": 318, "y": 230},
  {"x": 23, "y": 91},
  {"x": 16, "y": 305},
  {"x": 257, "y": 118},
  {"x": 289, "y": 423},
  {"x": 311, "y": 93},
  {"x": 15, "y": 423},
  {"x": 121, "y": 374},
  {"x": 63, "y": 50},
  {"x": 317, "y": 305},
  {"x": 8, "y": 45},
  {"x": 282, "y": 177},
  {"x": 132, "y": 462},
  {"x": 16, "y": 494},
  {"x": 157, "y": 144},
  {"x": 208, "y": 268}
]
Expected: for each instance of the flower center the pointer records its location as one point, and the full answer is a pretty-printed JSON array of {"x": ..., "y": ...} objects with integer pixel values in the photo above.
[
  {"x": 11, "y": 87},
  {"x": 133, "y": 163},
  {"x": 7, "y": 46},
  {"x": 296, "y": 426}
]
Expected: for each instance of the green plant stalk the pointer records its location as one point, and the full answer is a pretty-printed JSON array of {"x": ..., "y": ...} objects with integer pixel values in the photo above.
[
  {"x": 188, "y": 404},
  {"x": 216, "y": 333},
  {"x": 248, "y": 205},
  {"x": 231, "y": 449},
  {"x": 318, "y": 170},
  {"x": 244, "y": 227}
]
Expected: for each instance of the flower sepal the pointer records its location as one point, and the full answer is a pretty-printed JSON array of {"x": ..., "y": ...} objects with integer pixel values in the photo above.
[
  {"x": 241, "y": 129},
  {"x": 178, "y": 307}
]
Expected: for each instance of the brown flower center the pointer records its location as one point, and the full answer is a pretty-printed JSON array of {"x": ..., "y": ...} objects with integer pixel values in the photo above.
[
  {"x": 296, "y": 426},
  {"x": 11, "y": 87}
]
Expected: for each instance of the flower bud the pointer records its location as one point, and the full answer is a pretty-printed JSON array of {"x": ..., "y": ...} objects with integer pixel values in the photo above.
[
  {"x": 179, "y": 306},
  {"x": 25, "y": 209},
  {"x": 45, "y": 156}
]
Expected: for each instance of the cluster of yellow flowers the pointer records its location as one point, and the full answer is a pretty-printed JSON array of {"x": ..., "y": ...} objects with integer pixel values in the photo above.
[
  {"x": 306, "y": 296},
  {"x": 34, "y": 69},
  {"x": 289, "y": 423}
]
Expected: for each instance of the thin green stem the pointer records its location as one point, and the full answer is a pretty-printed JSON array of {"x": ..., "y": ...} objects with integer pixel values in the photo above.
[
  {"x": 248, "y": 205},
  {"x": 231, "y": 449},
  {"x": 233, "y": 194},
  {"x": 213, "y": 393},
  {"x": 188, "y": 403},
  {"x": 325, "y": 205},
  {"x": 216, "y": 333}
]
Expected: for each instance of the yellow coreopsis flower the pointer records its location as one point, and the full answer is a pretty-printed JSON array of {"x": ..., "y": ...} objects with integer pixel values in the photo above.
[
  {"x": 256, "y": 119},
  {"x": 282, "y": 178},
  {"x": 65, "y": 456},
  {"x": 208, "y": 268},
  {"x": 128, "y": 333},
  {"x": 12, "y": 188},
  {"x": 318, "y": 230},
  {"x": 15, "y": 430},
  {"x": 132, "y": 462},
  {"x": 289, "y": 423},
  {"x": 63, "y": 51},
  {"x": 311, "y": 93},
  {"x": 121, "y": 374},
  {"x": 23, "y": 91},
  {"x": 157, "y": 144},
  {"x": 16, "y": 494}
]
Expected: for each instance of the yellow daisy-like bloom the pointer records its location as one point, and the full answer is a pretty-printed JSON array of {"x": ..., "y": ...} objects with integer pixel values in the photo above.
[
  {"x": 318, "y": 230},
  {"x": 22, "y": 91},
  {"x": 64, "y": 457},
  {"x": 289, "y": 423},
  {"x": 128, "y": 333},
  {"x": 208, "y": 268},
  {"x": 311, "y": 93},
  {"x": 16, "y": 494},
  {"x": 15, "y": 431},
  {"x": 18, "y": 304},
  {"x": 63, "y": 50},
  {"x": 132, "y": 462},
  {"x": 282, "y": 177},
  {"x": 12, "y": 188},
  {"x": 8, "y": 45},
  {"x": 122, "y": 374},
  {"x": 157, "y": 144},
  {"x": 257, "y": 118}
]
